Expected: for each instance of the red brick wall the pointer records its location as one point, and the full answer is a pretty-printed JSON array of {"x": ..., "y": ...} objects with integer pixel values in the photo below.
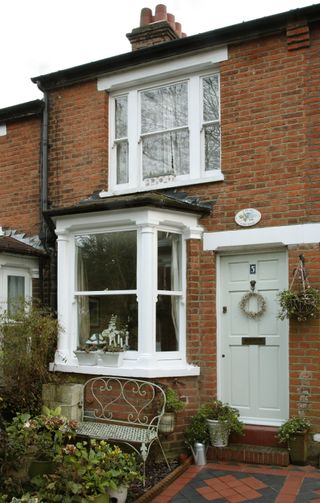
[
  {"x": 270, "y": 160},
  {"x": 19, "y": 175},
  {"x": 78, "y": 143}
]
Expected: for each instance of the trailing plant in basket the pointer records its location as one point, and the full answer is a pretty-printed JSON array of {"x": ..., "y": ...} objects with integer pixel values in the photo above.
[
  {"x": 173, "y": 402},
  {"x": 302, "y": 305}
]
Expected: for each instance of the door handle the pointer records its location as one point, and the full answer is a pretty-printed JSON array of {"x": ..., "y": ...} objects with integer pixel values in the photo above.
[{"x": 223, "y": 356}]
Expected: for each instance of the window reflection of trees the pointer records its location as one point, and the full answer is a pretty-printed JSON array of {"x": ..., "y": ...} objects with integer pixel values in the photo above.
[
  {"x": 164, "y": 130},
  {"x": 211, "y": 126},
  {"x": 107, "y": 262}
]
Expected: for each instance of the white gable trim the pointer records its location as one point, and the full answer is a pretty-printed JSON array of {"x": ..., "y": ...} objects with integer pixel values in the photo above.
[{"x": 272, "y": 236}]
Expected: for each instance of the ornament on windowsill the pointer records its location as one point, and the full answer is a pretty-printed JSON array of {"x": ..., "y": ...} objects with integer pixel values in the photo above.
[{"x": 245, "y": 303}]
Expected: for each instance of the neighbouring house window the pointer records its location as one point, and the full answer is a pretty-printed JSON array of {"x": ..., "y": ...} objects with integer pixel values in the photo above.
[
  {"x": 166, "y": 135},
  {"x": 130, "y": 264},
  {"x": 16, "y": 275},
  {"x": 16, "y": 293}
]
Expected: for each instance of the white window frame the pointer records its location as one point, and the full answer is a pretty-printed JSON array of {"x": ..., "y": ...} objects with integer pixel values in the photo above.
[
  {"x": 16, "y": 265},
  {"x": 131, "y": 82},
  {"x": 146, "y": 361}
]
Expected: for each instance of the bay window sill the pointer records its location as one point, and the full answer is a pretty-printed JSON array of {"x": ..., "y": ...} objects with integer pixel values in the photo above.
[{"x": 172, "y": 369}]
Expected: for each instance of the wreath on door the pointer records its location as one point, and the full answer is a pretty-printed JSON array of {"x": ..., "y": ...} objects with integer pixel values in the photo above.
[{"x": 260, "y": 301}]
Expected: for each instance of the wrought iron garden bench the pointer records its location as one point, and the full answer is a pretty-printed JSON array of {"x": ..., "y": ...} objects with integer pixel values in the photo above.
[{"x": 123, "y": 410}]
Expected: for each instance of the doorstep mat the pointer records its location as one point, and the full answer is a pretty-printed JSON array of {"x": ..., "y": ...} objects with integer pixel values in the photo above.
[{"x": 237, "y": 484}]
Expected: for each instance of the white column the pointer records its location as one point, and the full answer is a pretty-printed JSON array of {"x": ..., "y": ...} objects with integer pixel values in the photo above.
[
  {"x": 64, "y": 301},
  {"x": 146, "y": 287}
]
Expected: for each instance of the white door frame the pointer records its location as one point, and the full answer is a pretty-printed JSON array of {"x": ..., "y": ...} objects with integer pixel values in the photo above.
[{"x": 245, "y": 251}]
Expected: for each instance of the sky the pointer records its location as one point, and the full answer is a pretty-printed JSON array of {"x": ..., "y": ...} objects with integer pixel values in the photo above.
[{"x": 44, "y": 36}]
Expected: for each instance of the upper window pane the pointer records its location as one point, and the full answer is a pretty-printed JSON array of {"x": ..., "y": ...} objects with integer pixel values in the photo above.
[
  {"x": 106, "y": 261},
  {"x": 164, "y": 108},
  {"x": 121, "y": 104},
  {"x": 210, "y": 98},
  {"x": 169, "y": 261}
]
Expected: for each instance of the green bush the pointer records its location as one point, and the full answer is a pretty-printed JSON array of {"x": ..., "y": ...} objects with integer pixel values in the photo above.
[{"x": 28, "y": 340}]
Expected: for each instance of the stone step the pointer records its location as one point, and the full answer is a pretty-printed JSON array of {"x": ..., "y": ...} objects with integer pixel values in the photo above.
[
  {"x": 257, "y": 435},
  {"x": 246, "y": 453}
]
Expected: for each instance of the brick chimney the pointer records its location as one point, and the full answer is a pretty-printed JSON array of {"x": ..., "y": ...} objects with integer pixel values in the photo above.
[{"x": 155, "y": 29}]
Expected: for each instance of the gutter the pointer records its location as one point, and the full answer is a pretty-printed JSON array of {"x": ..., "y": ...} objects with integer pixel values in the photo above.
[{"x": 47, "y": 235}]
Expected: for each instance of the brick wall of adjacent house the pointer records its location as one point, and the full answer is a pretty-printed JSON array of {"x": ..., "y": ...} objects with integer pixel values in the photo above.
[
  {"x": 20, "y": 176},
  {"x": 270, "y": 145}
]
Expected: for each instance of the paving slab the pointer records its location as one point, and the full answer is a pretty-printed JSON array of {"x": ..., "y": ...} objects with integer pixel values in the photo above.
[{"x": 239, "y": 483}]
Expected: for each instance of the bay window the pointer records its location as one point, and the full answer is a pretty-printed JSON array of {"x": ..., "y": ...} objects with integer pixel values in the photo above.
[{"x": 130, "y": 265}]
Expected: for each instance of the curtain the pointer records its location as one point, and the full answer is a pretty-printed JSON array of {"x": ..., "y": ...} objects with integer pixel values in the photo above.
[
  {"x": 175, "y": 275},
  {"x": 83, "y": 302}
]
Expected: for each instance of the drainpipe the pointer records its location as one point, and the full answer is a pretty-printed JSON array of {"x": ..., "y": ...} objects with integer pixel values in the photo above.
[{"x": 46, "y": 235}]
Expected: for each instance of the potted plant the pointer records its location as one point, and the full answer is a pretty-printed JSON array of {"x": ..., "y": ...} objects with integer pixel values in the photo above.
[
  {"x": 35, "y": 440},
  {"x": 111, "y": 343},
  {"x": 294, "y": 432},
  {"x": 173, "y": 405},
  {"x": 122, "y": 470},
  {"x": 302, "y": 305},
  {"x": 87, "y": 353},
  {"x": 78, "y": 476},
  {"x": 222, "y": 419},
  {"x": 87, "y": 471},
  {"x": 197, "y": 437}
]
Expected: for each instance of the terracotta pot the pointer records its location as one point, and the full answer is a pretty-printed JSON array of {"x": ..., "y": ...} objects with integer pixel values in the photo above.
[{"x": 298, "y": 448}]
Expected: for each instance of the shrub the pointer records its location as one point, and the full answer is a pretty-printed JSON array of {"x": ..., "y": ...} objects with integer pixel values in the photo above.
[{"x": 28, "y": 344}]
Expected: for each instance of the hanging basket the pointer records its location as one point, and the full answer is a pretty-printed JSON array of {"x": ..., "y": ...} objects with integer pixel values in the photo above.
[{"x": 303, "y": 303}]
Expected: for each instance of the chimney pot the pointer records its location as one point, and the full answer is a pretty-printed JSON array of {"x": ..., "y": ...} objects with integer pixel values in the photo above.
[
  {"x": 171, "y": 20},
  {"x": 155, "y": 29},
  {"x": 161, "y": 12},
  {"x": 146, "y": 16},
  {"x": 177, "y": 29}
]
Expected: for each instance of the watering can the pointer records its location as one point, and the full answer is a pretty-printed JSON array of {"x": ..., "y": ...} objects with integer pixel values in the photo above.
[{"x": 199, "y": 453}]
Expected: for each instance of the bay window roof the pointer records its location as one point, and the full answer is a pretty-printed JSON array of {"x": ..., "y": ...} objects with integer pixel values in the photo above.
[{"x": 174, "y": 200}]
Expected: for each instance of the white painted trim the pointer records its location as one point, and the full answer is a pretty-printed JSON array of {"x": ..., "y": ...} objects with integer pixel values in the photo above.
[
  {"x": 3, "y": 129},
  {"x": 166, "y": 69},
  {"x": 209, "y": 176},
  {"x": 272, "y": 236},
  {"x": 175, "y": 369}
]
